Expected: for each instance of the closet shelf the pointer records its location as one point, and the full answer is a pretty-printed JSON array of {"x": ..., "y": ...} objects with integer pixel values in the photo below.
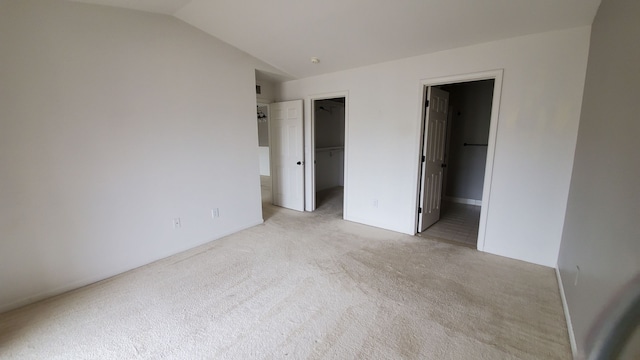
[{"x": 331, "y": 148}]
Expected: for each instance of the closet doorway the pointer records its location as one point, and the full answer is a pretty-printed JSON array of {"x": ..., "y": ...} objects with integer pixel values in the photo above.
[
  {"x": 459, "y": 122},
  {"x": 328, "y": 145},
  {"x": 264, "y": 156}
]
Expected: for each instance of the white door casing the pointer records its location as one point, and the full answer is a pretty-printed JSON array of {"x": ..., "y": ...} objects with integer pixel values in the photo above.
[
  {"x": 310, "y": 177},
  {"x": 433, "y": 149},
  {"x": 497, "y": 75},
  {"x": 287, "y": 156}
]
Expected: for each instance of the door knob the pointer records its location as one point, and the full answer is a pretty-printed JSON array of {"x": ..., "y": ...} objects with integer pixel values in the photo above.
[{"x": 299, "y": 163}]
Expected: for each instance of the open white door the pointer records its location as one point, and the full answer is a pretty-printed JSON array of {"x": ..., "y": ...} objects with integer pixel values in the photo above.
[
  {"x": 287, "y": 154},
  {"x": 433, "y": 147}
]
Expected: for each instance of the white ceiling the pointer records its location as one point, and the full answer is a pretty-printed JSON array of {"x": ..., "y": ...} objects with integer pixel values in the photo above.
[{"x": 351, "y": 33}]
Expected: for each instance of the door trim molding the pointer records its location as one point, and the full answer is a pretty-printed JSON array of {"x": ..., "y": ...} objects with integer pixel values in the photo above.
[
  {"x": 310, "y": 154},
  {"x": 567, "y": 315},
  {"x": 497, "y": 76}
]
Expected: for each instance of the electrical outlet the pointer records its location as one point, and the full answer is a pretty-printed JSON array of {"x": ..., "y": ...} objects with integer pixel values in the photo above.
[
  {"x": 176, "y": 223},
  {"x": 215, "y": 213}
]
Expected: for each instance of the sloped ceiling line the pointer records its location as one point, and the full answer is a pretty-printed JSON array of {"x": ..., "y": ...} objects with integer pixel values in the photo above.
[{"x": 354, "y": 33}]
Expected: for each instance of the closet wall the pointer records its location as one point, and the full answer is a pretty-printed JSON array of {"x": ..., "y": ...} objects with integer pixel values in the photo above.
[
  {"x": 265, "y": 96},
  {"x": 469, "y": 123},
  {"x": 329, "y": 134},
  {"x": 263, "y": 139}
]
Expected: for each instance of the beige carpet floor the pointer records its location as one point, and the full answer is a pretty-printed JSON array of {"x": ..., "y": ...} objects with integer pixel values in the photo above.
[{"x": 304, "y": 286}]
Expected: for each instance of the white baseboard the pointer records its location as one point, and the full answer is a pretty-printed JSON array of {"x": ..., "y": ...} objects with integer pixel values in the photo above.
[
  {"x": 464, "y": 201},
  {"x": 56, "y": 291},
  {"x": 90, "y": 280},
  {"x": 567, "y": 316},
  {"x": 379, "y": 225}
]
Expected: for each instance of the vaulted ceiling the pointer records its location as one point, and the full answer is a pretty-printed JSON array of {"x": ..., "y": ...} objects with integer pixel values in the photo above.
[{"x": 346, "y": 34}]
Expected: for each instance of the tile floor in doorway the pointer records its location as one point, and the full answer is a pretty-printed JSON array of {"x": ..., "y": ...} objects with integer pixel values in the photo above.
[{"x": 458, "y": 223}]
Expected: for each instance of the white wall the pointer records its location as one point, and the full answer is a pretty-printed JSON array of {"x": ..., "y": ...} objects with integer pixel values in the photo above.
[
  {"x": 268, "y": 91},
  {"x": 112, "y": 123},
  {"x": 540, "y": 107},
  {"x": 264, "y": 159},
  {"x": 601, "y": 230}
]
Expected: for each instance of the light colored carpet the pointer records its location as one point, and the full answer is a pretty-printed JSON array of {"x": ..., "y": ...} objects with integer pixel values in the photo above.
[{"x": 304, "y": 286}]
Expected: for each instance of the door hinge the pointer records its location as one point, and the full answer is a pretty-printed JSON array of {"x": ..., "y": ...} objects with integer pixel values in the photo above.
[
  {"x": 424, "y": 158},
  {"x": 426, "y": 104},
  {"x": 419, "y": 210}
]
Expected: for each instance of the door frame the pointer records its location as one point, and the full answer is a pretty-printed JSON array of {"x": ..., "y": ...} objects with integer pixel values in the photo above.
[
  {"x": 497, "y": 76},
  {"x": 310, "y": 146}
]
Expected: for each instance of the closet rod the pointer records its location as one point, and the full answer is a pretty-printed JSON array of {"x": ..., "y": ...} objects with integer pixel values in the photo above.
[
  {"x": 332, "y": 148},
  {"x": 467, "y": 144}
]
